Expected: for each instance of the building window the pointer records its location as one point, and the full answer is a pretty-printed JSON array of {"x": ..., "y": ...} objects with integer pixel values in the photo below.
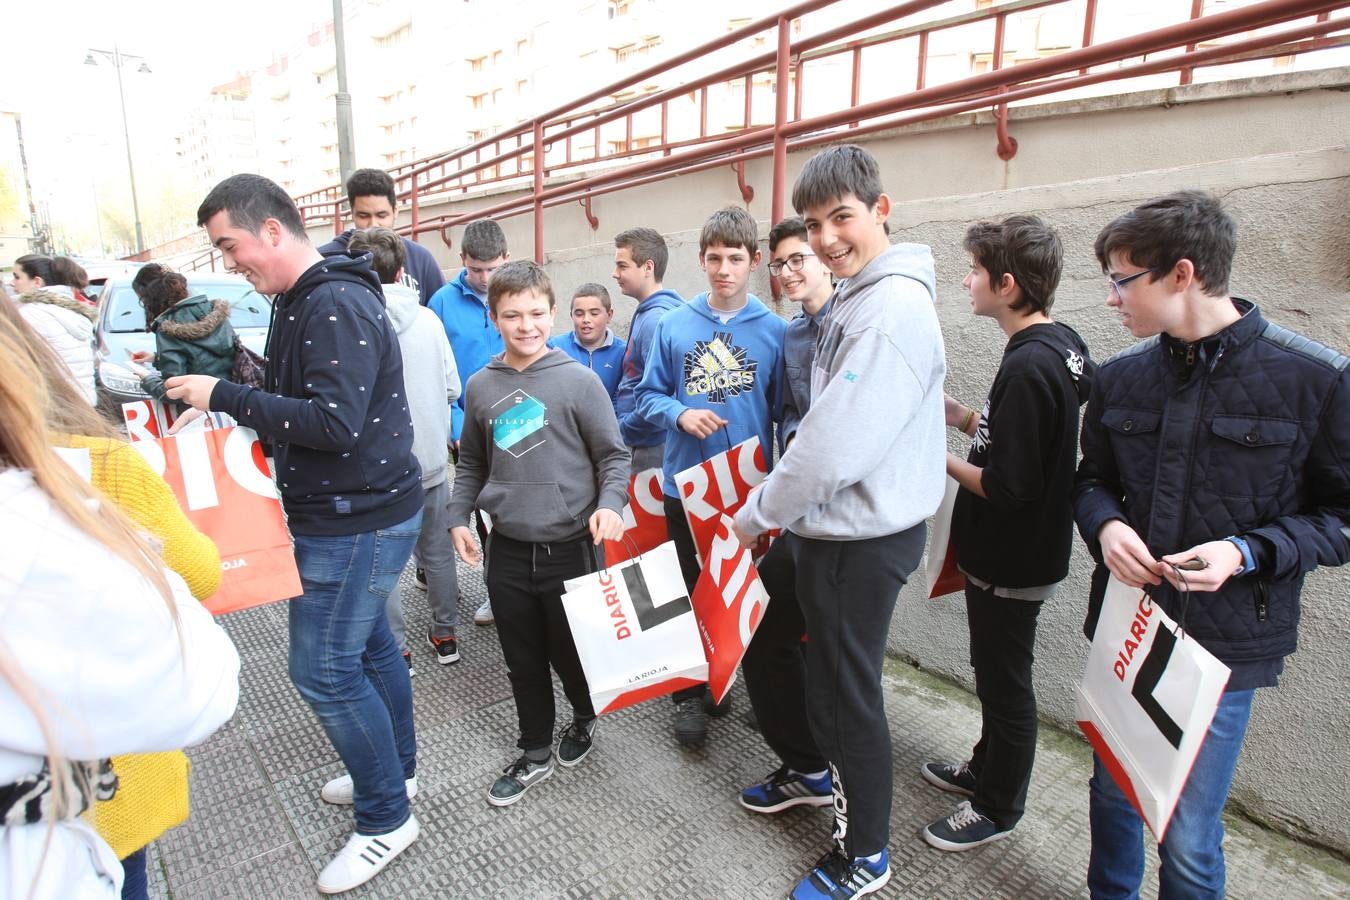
[
  {"x": 619, "y": 8},
  {"x": 476, "y": 64},
  {"x": 476, "y": 100},
  {"x": 522, "y": 46}
]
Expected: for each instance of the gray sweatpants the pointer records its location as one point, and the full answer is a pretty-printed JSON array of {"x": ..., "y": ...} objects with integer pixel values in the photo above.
[{"x": 436, "y": 554}]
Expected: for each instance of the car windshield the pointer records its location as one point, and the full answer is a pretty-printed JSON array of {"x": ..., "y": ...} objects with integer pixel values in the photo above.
[{"x": 248, "y": 308}]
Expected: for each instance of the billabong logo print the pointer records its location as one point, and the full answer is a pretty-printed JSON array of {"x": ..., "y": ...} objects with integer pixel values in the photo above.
[
  {"x": 518, "y": 419},
  {"x": 718, "y": 369}
]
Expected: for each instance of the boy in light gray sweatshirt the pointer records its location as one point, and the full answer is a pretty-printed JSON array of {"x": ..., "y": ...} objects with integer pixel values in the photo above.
[
  {"x": 863, "y": 472},
  {"x": 541, "y": 454},
  {"x": 426, "y": 351}
]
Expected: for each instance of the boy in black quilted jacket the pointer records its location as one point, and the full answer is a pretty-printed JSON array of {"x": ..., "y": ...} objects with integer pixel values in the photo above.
[{"x": 1223, "y": 441}]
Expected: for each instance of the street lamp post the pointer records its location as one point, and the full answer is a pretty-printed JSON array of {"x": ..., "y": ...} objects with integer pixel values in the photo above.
[{"x": 117, "y": 57}]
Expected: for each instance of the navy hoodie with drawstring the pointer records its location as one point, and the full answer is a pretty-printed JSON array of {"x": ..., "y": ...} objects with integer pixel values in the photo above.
[
  {"x": 734, "y": 368},
  {"x": 334, "y": 404}
]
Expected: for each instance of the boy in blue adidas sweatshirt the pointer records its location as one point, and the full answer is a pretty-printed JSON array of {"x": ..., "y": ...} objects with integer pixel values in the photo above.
[
  {"x": 591, "y": 342},
  {"x": 713, "y": 379}
]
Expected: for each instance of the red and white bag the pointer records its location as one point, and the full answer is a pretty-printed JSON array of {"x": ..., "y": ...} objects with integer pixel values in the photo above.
[
  {"x": 941, "y": 567},
  {"x": 634, "y": 630},
  {"x": 644, "y": 518},
  {"x": 717, "y": 487},
  {"x": 1146, "y": 701},
  {"x": 729, "y": 602},
  {"x": 221, "y": 480}
]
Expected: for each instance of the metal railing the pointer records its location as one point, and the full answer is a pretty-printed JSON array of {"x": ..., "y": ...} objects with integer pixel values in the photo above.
[{"x": 549, "y": 148}]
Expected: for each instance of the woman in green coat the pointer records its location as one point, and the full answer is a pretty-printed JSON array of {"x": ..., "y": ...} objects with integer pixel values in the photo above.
[{"x": 193, "y": 335}]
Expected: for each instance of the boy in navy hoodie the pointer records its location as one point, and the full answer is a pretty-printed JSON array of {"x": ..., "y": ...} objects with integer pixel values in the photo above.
[
  {"x": 541, "y": 453},
  {"x": 713, "y": 379},
  {"x": 1012, "y": 525},
  {"x": 335, "y": 409},
  {"x": 852, "y": 492},
  {"x": 640, "y": 257},
  {"x": 591, "y": 342}
]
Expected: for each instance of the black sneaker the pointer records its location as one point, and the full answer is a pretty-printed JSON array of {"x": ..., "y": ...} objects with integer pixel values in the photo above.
[
  {"x": 717, "y": 710},
  {"x": 420, "y": 579},
  {"x": 835, "y": 877},
  {"x": 407, "y": 658},
  {"x": 447, "y": 648},
  {"x": 964, "y": 829},
  {"x": 958, "y": 779},
  {"x": 518, "y": 778},
  {"x": 691, "y": 722},
  {"x": 575, "y": 741}
]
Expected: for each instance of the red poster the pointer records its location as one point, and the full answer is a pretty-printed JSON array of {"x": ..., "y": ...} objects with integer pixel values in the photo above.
[
  {"x": 718, "y": 487},
  {"x": 729, "y": 602},
  {"x": 644, "y": 519},
  {"x": 221, "y": 480}
]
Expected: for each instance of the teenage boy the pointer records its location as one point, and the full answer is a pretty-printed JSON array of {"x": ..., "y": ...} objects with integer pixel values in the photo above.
[
  {"x": 591, "y": 342},
  {"x": 774, "y": 667},
  {"x": 352, "y": 492},
  {"x": 862, "y": 474},
  {"x": 463, "y": 309},
  {"x": 1222, "y": 440},
  {"x": 427, "y": 352},
  {"x": 1012, "y": 525},
  {"x": 640, "y": 257},
  {"x": 374, "y": 203},
  {"x": 713, "y": 379},
  {"x": 541, "y": 453}
]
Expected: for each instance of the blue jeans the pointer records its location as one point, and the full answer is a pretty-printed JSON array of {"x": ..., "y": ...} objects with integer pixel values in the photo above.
[
  {"x": 1191, "y": 855},
  {"x": 345, "y": 663}
]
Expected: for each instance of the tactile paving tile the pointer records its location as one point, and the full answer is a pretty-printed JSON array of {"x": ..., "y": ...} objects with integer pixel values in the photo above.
[{"x": 639, "y": 818}]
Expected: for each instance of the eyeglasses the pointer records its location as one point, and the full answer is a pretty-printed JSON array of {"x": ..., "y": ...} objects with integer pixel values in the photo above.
[
  {"x": 1119, "y": 286},
  {"x": 793, "y": 263}
]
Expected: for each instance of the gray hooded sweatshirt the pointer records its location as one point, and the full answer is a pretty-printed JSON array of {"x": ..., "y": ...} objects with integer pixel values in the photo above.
[
  {"x": 430, "y": 379},
  {"x": 869, "y": 457},
  {"x": 540, "y": 450}
]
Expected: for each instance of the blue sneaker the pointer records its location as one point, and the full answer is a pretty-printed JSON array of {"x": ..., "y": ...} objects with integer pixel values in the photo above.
[
  {"x": 785, "y": 789},
  {"x": 836, "y": 878}
]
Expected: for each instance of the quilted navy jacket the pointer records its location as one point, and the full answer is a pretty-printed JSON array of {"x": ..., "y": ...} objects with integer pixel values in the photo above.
[{"x": 1246, "y": 433}]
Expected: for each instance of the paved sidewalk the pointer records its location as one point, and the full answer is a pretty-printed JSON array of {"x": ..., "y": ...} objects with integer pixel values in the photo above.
[{"x": 639, "y": 818}]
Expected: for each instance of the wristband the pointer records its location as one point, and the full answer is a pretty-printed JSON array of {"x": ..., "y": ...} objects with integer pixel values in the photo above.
[
  {"x": 1248, "y": 562},
  {"x": 970, "y": 417}
]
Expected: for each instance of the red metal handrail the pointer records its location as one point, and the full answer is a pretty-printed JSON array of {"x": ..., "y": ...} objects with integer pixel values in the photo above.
[{"x": 552, "y": 133}]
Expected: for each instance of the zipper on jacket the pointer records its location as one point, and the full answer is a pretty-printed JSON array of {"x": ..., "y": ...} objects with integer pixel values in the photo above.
[{"x": 1261, "y": 601}]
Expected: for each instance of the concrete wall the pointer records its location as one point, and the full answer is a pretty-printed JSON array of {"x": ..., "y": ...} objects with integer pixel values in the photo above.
[{"x": 1274, "y": 148}]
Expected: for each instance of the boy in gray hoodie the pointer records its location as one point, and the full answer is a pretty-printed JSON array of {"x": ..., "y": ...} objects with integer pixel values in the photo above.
[
  {"x": 864, "y": 471},
  {"x": 426, "y": 350},
  {"x": 541, "y": 454}
]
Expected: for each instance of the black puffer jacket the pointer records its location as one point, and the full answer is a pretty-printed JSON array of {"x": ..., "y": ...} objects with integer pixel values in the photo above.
[{"x": 1246, "y": 433}]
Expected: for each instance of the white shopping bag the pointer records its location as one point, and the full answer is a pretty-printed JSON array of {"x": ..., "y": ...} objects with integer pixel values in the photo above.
[
  {"x": 1146, "y": 701},
  {"x": 941, "y": 568},
  {"x": 634, "y": 629}
]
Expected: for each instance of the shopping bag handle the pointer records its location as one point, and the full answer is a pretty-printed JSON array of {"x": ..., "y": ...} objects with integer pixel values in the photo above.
[{"x": 1180, "y": 569}]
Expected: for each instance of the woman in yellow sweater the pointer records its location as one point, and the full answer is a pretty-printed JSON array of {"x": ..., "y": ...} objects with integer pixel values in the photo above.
[{"x": 152, "y": 792}]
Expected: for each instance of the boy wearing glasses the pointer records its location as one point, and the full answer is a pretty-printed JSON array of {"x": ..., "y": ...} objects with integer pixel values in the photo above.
[
  {"x": 1223, "y": 440},
  {"x": 774, "y": 666}
]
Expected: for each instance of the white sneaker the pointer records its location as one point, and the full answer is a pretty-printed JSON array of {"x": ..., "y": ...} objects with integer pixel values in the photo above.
[
  {"x": 364, "y": 856},
  {"x": 484, "y": 614},
  {"x": 339, "y": 790}
]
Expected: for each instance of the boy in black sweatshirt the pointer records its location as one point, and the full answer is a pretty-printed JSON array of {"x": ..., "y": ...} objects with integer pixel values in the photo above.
[{"x": 1012, "y": 525}]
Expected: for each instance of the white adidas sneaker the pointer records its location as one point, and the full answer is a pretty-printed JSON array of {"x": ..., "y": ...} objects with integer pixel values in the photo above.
[
  {"x": 339, "y": 790},
  {"x": 365, "y": 856}
]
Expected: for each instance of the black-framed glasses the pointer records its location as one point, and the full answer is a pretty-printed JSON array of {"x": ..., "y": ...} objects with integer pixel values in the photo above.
[
  {"x": 1119, "y": 285},
  {"x": 793, "y": 263}
]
